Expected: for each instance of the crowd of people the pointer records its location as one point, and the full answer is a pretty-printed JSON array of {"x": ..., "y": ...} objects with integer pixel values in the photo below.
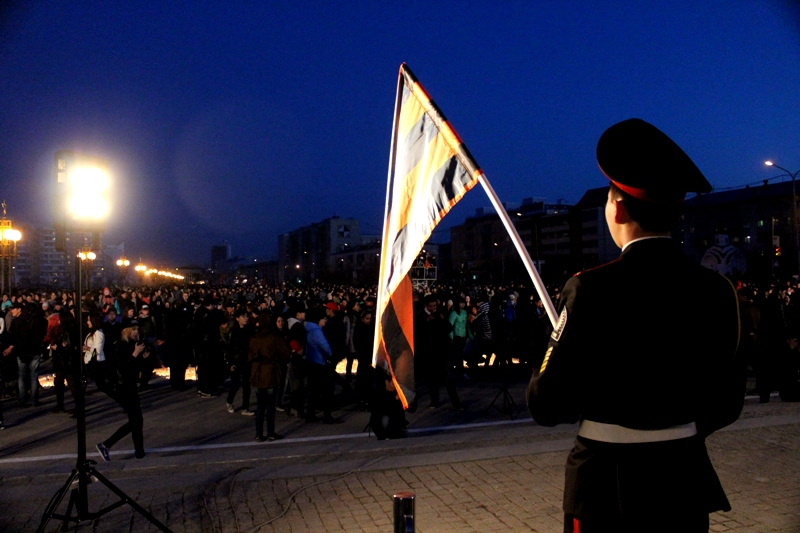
[{"x": 284, "y": 342}]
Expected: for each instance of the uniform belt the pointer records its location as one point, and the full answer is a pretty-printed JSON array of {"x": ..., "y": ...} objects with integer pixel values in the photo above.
[{"x": 621, "y": 435}]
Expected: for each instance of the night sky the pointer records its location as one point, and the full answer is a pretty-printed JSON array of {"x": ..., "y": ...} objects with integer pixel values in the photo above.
[{"x": 239, "y": 122}]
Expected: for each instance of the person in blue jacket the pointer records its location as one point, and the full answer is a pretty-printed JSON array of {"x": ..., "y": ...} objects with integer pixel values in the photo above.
[{"x": 319, "y": 369}]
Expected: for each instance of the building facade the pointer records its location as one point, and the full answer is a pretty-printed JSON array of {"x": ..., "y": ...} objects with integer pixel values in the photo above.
[
  {"x": 306, "y": 254},
  {"x": 757, "y": 221}
]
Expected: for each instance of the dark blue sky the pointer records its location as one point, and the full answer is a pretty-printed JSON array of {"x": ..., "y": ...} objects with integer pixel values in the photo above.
[{"x": 240, "y": 122}]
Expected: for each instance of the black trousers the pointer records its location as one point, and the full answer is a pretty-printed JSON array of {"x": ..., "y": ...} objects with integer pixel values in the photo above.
[
  {"x": 320, "y": 389},
  {"x": 58, "y": 385},
  {"x": 438, "y": 378},
  {"x": 660, "y": 523},
  {"x": 129, "y": 400},
  {"x": 457, "y": 354},
  {"x": 265, "y": 409},
  {"x": 240, "y": 378},
  {"x": 180, "y": 353}
]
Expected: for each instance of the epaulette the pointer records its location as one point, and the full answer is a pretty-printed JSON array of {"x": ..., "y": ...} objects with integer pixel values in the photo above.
[{"x": 596, "y": 268}]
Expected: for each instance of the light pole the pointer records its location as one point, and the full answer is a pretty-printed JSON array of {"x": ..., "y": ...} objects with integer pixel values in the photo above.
[
  {"x": 81, "y": 205},
  {"x": 8, "y": 250},
  {"x": 140, "y": 271},
  {"x": 794, "y": 211},
  {"x": 123, "y": 263}
]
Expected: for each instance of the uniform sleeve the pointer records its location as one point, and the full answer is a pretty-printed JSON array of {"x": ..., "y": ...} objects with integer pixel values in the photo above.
[
  {"x": 723, "y": 377},
  {"x": 552, "y": 394}
]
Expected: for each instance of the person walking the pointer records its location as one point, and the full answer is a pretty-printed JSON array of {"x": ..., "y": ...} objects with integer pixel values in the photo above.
[{"x": 130, "y": 351}]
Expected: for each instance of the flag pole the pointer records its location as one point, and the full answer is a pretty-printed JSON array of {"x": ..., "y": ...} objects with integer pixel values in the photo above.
[{"x": 523, "y": 252}]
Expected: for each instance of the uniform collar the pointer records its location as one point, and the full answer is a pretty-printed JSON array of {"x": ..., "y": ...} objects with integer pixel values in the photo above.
[{"x": 628, "y": 244}]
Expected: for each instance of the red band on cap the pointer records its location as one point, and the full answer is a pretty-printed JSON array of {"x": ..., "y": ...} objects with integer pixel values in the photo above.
[{"x": 659, "y": 197}]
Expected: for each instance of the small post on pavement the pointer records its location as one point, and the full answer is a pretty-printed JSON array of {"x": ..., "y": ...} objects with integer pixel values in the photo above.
[{"x": 404, "y": 512}]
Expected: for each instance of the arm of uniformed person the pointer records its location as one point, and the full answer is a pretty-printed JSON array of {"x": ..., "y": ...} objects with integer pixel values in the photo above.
[
  {"x": 552, "y": 394},
  {"x": 723, "y": 378}
]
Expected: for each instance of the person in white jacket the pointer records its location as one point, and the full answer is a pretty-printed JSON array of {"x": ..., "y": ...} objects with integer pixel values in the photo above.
[{"x": 94, "y": 356}]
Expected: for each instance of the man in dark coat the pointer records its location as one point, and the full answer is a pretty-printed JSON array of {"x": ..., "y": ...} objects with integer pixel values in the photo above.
[
  {"x": 236, "y": 358},
  {"x": 432, "y": 348},
  {"x": 644, "y": 355}
]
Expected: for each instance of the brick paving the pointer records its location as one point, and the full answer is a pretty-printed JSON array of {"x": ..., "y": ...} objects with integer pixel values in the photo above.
[{"x": 489, "y": 475}]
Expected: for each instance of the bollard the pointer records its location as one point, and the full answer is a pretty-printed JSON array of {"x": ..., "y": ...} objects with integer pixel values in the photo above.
[{"x": 404, "y": 512}]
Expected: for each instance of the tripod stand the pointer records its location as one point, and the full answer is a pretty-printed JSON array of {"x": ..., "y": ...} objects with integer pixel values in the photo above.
[
  {"x": 509, "y": 406},
  {"x": 79, "y": 500},
  {"x": 84, "y": 471}
]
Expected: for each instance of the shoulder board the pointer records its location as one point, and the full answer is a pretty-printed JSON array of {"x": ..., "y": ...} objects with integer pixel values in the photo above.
[{"x": 597, "y": 267}]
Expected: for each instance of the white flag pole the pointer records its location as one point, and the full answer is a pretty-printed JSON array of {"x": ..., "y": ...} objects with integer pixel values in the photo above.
[{"x": 523, "y": 252}]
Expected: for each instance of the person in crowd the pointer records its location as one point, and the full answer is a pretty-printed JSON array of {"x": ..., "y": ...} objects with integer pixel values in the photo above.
[
  {"x": 335, "y": 331},
  {"x": 788, "y": 371},
  {"x": 280, "y": 327},
  {"x": 129, "y": 317},
  {"x": 349, "y": 319},
  {"x": 432, "y": 345},
  {"x": 64, "y": 347},
  {"x": 148, "y": 332},
  {"x": 297, "y": 365},
  {"x": 206, "y": 332},
  {"x": 319, "y": 366},
  {"x": 236, "y": 356},
  {"x": 458, "y": 334},
  {"x": 179, "y": 340},
  {"x": 130, "y": 350},
  {"x": 25, "y": 338},
  {"x": 94, "y": 356},
  {"x": 363, "y": 339},
  {"x": 267, "y": 352},
  {"x": 387, "y": 418},
  {"x": 483, "y": 347}
]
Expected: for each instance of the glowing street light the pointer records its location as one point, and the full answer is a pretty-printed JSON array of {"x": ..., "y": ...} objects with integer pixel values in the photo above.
[
  {"x": 123, "y": 263},
  {"x": 140, "y": 270},
  {"x": 8, "y": 250},
  {"x": 792, "y": 175}
]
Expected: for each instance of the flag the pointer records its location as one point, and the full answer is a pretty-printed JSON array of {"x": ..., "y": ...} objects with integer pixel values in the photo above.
[{"x": 430, "y": 170}]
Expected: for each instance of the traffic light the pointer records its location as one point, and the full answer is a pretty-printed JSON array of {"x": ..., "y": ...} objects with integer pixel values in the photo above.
[{"x": 777, "y": 251}]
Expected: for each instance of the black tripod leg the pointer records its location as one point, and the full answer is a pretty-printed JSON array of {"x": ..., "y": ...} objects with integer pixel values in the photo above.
[
  {"x": 509, "y": 404},
  {"x": 491, "y": 404},
  {"x": 49, "y": 512},
  {"x": 124, "y": 498},
  {"x": 72, "y": 498}
]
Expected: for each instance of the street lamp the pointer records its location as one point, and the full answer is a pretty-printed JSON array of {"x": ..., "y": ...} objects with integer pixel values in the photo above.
[
  {"x": 123, "y": 263},
  {"x": 81, "y": 205},
  {"x": 794, "y": 209},
  {"x": 140, "y": 271},
  {"x": 8, "y": 250}
]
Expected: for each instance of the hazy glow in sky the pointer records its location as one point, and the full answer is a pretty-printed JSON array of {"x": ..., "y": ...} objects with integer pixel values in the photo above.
[{"x": 240, "y": 122}]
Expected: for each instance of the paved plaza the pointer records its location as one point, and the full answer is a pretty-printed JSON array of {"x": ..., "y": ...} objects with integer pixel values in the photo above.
[{"x": 476, "y": 470}]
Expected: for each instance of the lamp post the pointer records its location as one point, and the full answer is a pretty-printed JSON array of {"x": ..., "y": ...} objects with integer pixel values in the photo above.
[
  {"x": 8, "y": 250},
  {"x": 140, "y": 271},
  {"x": 796, "y": 236},
  {"x": 123, "y": 263},
  {"x": 81, "y": 205}
]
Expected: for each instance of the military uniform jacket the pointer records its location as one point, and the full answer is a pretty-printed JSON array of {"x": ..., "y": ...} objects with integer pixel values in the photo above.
[{"x": 647, "y": 341}]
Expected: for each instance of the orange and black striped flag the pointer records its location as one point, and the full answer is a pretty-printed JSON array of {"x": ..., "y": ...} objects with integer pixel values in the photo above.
[{"x": 430, "y": 170}]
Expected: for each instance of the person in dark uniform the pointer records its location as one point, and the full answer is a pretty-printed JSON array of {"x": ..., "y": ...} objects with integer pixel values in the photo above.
[{"x": 644, "y": 355}]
